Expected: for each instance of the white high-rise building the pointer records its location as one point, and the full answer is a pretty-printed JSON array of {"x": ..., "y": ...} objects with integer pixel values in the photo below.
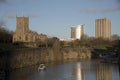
[{"x": 77, "y": 31}]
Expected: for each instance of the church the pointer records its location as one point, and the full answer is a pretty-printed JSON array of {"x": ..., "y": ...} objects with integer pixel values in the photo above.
[{"x": 23, "y": 34}]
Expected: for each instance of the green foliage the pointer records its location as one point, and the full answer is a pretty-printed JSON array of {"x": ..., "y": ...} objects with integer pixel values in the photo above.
[
  {"x": 89, "y": 43},
  {"x": 9, "y": 46}
]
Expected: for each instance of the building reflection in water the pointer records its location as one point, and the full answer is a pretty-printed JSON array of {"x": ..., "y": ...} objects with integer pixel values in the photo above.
[
  {"x": 103, "y": 72},
  {"x": 78, "y": 72},
  {"x": 119, "y": 69}
]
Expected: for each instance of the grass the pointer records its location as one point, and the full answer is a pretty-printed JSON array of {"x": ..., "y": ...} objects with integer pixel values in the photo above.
[{"x": 9, "y": 46}]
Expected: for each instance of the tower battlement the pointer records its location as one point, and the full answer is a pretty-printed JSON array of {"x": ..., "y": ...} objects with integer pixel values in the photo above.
[{"x": 23, "y": 34}]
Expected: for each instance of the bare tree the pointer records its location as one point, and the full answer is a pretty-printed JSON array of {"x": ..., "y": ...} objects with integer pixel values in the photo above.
[{"x": 5, "y": 35}]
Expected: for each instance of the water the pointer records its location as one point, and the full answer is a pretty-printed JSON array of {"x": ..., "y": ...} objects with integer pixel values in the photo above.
[{"x": 84, "y": 70}]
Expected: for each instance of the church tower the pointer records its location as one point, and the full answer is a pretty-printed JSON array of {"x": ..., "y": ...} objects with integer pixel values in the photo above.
[
  {"x": 22, "y": 29},
  {"x": 22, "y": 25},
  {"x": 24, "y": 35}
]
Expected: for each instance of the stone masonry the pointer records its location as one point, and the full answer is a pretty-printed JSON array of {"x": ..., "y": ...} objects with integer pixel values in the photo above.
[{"x": 23, "y": 34}]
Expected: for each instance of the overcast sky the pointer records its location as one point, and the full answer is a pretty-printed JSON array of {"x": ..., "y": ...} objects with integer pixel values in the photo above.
[{"x": 56, "y": 17}]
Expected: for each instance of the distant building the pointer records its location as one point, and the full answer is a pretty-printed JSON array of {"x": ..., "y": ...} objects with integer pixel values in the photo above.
[
  {"x": 23, "y": 34},
  {"x": 103, "y": 28},
  {"x": 67, "y": 40},
  {"x": 77, "y": 31}
]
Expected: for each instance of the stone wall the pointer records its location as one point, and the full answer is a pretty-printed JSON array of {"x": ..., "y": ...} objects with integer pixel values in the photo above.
[
  {"x": 24, "y": 34},
  {"x": 76, "y": 54},
  {"x": 27, "y": 57}
]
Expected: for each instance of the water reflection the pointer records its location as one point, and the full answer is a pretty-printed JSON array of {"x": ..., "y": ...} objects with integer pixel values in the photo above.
[
  {"x": 21, "y": 74},
  {"x": 85, "y": 70},
  {"x": 78, "y": 72},
  {"x": 119, "y": 69},
  {"x": 103, "y": 72}
]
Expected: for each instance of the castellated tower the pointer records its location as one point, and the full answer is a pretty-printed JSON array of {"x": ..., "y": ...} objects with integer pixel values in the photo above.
[
  {"x": 22, "y": 24},
  {"x": 22, "y": 30},
  {"x": 23, "y": 34}
]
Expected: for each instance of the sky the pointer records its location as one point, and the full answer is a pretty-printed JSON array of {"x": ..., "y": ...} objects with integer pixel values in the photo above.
[{"x": 56, "y": 17}]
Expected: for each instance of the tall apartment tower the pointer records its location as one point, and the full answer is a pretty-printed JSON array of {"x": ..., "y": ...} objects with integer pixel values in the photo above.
[
  {"x": 77, "y": 31},
  {"x": 103, "y": 28}
]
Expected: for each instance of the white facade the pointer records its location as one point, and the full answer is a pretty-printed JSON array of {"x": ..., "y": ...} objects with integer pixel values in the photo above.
[
  {"x": 68, "y": 39},
  {"x": 77, "y": 32}
]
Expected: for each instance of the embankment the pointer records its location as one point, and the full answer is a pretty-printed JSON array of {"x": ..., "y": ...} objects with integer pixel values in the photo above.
[{"x": 27, "y": 57}]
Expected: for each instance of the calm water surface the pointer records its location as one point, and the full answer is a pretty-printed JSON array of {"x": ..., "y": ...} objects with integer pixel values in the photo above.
[{"x": 84, "y": 70}]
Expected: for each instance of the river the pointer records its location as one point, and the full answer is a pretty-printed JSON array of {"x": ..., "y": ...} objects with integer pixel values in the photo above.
[{"x": 83, "y": 70}]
